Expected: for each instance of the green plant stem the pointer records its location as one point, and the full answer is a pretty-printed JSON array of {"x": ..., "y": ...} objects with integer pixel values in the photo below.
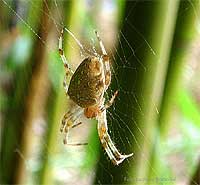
[{"x": 152, "y": 23}]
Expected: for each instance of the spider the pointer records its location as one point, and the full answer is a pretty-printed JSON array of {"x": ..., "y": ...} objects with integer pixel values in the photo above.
[{"x": 86, "y": 89}]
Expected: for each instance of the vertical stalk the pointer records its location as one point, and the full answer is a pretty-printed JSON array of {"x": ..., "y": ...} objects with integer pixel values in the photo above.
[
  {"x": 184, "y": 34},
  {"x": 13, "y": 134},
  {"x": 155, "y": 21},
  {"x": 162, "y": 32},
  {"x": 57, "y": 107},
  {"x": 37, "y": 94}
]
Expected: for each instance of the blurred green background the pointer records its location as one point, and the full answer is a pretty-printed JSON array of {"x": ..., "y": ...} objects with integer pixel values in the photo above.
[{"x": 154, "y": 52}]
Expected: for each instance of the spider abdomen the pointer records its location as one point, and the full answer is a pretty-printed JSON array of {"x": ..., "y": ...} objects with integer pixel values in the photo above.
[{"x": 87, "y": 84}]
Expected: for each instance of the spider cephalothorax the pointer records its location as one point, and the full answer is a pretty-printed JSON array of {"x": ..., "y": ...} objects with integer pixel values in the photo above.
[{"x": 87, "y": 87}]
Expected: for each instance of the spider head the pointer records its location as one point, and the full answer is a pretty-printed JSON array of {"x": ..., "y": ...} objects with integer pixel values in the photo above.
[{"x": 91, "y": 112}]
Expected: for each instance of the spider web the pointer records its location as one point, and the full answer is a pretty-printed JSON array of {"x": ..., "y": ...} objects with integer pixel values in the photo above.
[{"x": 119, "y": 122}]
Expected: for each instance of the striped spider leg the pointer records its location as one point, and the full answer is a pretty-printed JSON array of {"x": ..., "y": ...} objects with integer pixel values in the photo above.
[
  {"x": 115, "y": 156},
  {"x": 71, "y": 116},
  {"x": 105, "y": 139}
]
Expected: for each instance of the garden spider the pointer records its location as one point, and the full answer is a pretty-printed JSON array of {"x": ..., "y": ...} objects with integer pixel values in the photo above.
[{"x": 87, "y": 87}]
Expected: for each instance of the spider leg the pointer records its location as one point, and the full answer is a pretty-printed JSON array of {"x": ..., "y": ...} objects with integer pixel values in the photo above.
[
  {"x": 114, "y": 149},
  {"x": 108, "y": 151},
  {"x": 65, "y": 62},
  {"x": 106, "y": 62},
  {"x": 110, "y": 102},
  {"x": 101, "y": 43},
  {"x": 67, "y": 122},
  {"x": 94, "y": 49},
  {"x": 62, "y": 55},
  {"x": 65, "y": 141},
  {"x": 65, "y": 84},
  {"x": 75, "y": 125},
  {"x": 115, "y": 156},
  {"x": 67, "y": 116}
]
